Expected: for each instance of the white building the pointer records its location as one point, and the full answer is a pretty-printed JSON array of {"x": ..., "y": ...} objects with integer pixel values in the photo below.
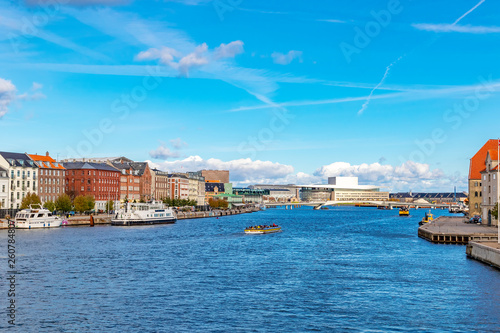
[
  {"x": 489, "y": 181},
  {"x": 4, "y": 188},
  {"x": 22, "y": 172},
  {"x": 342, "y": 189}
]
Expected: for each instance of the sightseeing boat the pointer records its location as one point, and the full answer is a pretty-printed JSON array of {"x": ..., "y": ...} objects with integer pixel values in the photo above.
[
  {"x": 428, "y": 218},
  {"x": 263, "y": 229},
  {"x": 144, "y": 214},
  {"x": 404, "y": 211},
  {"x": 36, "y": 218}
]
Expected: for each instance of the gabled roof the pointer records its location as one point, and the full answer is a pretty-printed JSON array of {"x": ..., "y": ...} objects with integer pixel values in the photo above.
[
  {"x": 477, "y": 162},
  {"x": 18, "y": 159},
  {"x": 138, "y": 168},
  {"x": 89, "y": 165},
  {"x": 46, "y": 162}
]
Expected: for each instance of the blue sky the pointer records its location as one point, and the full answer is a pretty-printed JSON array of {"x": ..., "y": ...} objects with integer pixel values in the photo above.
[{"x": 399, "y": 93}]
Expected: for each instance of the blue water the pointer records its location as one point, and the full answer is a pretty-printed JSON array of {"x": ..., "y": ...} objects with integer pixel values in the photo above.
[{"x": 341, "y": 270}]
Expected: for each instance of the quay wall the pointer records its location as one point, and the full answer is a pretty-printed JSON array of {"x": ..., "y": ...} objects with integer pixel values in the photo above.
[{"x": 488, "y": 253}]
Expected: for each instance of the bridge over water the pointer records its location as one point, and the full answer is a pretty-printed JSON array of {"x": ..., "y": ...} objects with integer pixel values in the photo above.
[{"x": 387, "y": 204}]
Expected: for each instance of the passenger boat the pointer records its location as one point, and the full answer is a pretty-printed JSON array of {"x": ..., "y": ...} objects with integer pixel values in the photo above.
[
  {"x": 263, "y": 229},
  {"x": 404, "y": 211},
  {"x": 36, "y": 218},
  {"x": 428, "y": 218},
  {"x": 144, "y": 214}
]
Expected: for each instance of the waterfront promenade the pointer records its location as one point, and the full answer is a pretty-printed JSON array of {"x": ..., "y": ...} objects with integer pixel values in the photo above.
[{"x": 455, "y": 230}]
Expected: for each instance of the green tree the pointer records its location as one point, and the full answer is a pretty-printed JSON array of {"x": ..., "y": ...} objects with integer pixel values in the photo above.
[
  {"x": 30, "y": 199},
  {"x": 90, "y": 202},
  {"x": 494, "y": 212},
  {"x": 50, "y": 205},
  {"x": 63, "y": 203},
  {"x": 80, "y": 204},
  {"x": 110, "y": 205}
]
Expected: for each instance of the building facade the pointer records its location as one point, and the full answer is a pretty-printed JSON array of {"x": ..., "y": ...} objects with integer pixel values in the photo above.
[
  {"x": 279, "y": 193},
  {"x": 52, "y": 176},
  {"x": 489, "y": 180},
  {"x": 178, "y": 185},
  {"x": 159, "y": 184},
  {"x": 23, "y": 176},
  {"x": 477, "y": 164},
  {"x": 196, "y": 188},
  {"x": 4, "y": 188},
  {"x": 213, "y": 188},
  {"x": 251, "y": 195},
  {"x": 99, "y": 180},
  {"x": 221, "y": 176},
  {"x": 342, "y": 189},
  {"x": 135, "y": 181}
]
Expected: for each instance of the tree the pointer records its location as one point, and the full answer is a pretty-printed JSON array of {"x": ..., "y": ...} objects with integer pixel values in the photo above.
[
  {"x": 80, "y": 204},
  {"x": 30, "y": 199},
  {"x": 494, "y": 212},
  {"x": 50, "y": 205},
  {"x": 90, "y": 202},
  {"x": 218, "y": 203},
  {"x": 110, "y": 205},
  {"x": 63, "y": 203}
]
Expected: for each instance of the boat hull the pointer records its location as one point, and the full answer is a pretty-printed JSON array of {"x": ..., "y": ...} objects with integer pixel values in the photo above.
[
  {"x": 119, "y": 222},
  {"x": 38, "y": 225},
  {"x": 262, "y": 231}
]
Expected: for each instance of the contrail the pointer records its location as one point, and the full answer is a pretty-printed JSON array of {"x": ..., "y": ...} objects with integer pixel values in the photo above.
[
  {"x": 470, "y": 11},
  {"x": 365, "y": 104}
]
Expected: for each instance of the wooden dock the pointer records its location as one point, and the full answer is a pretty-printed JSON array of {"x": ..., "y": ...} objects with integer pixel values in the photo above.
[{"x": 454, "y": 230}]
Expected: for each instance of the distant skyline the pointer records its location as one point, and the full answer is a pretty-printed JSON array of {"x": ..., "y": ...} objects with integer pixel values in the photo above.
[{"x": 399, "y": 93}]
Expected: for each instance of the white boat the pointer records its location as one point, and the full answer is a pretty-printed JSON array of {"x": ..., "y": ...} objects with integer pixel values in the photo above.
[
  {"x": 36, "y": 218},
  {"x": 144, "y": 214}
]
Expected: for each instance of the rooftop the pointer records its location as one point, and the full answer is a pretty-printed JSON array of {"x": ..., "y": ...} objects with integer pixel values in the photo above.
[
  {"x": 89, "y": 165},
  {"x": 46, "y": 162},
  {"x": 477, "y": 162}
]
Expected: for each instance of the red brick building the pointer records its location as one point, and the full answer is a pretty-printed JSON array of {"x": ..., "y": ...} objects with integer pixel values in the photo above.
[
  {"x": 51, "y": 177},
  {"x": 100, "y": 180},
  {"x": 135, "y": 180}
]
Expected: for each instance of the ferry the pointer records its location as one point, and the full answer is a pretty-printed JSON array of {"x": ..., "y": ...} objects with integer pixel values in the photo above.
[
  {"x": 263, "y": 229},
  {"x": 428, "y": 218},
  {"x": 36, "y": 218},
  {"x": 144, "y": 214},
  {"x": 404, "y": 211}
]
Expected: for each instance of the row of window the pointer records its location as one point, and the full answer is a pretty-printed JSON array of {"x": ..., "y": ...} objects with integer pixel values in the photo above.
[{"x": 49, "y": 172}]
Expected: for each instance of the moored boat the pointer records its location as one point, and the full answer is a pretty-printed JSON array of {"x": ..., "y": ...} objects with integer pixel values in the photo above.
[
  {"x": 428, "y": 218},
  {"x": 144, "y": 214},
  {"x": 263, "y": 229},
  {"x": 36, "y": 218}
]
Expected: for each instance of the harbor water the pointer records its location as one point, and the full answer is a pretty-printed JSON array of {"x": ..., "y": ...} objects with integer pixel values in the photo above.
[{"x": 345, "y": 269}]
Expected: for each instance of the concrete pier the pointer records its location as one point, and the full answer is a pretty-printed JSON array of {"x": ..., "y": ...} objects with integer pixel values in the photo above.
[
  {"x": 454, "y": 230},
  {"x": 487, "y": 252}
]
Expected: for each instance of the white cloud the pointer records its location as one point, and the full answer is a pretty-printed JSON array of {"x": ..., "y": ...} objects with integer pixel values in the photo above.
[
  {"x": 285, "y": 59},
  {"x": 456, "y": 28},
  {"x": 163, "y": 153},
  {"x": 36, "y": 86},
  {"x": 194, "y": 59},
  {"x": 7, "y": 95},
  {"x": 229, "y": 50},
  {"x": 178, "y": 143}
]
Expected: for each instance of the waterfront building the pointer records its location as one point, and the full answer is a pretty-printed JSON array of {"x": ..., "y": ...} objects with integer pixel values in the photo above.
[
  {"x": 159, "y": 184},
  {"x": 51, "y": 177},
  {"x": 342, "y": 189},
  {"x": 439, "y": 198},
  {"x": 100, "y": 180},
  {"x": 178, "y": 185},
  {"x": 23, "y": 175},
  {"x": 135, "y": 180},
  {"x": 279, "y": 193},
  {"x": 233, "y": 200},
  {"x": 251, "y": 195},
  {"x": 196, "y": 188},
  {"x": 4, "y": 188},
  {"x": 213, "y": 188},
  {"x": 477, "y": 164},
  {"x": 489, "y": 180}
]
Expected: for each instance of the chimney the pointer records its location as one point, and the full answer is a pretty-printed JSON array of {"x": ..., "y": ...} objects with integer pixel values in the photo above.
[{"x": 47, "y": 154}]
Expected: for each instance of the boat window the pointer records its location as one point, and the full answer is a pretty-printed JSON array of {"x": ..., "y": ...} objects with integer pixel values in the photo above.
[
  {"x": 32, "y": 215},
  {"x": 40, "y": 215},
  {"x": 50, "y": 214}
]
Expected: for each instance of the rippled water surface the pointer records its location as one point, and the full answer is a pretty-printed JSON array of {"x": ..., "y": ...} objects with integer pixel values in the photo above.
[{"x": 343, "y": 269}]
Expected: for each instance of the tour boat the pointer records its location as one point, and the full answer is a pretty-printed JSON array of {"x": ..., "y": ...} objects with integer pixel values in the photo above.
[
  {"x": 144, "y": 214},
  {"x": 263, "y": 229},
  {"x": 428, "y": 218},
  {"x": 404, "y": 211},
  {"x": 36, "y": 218}
]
